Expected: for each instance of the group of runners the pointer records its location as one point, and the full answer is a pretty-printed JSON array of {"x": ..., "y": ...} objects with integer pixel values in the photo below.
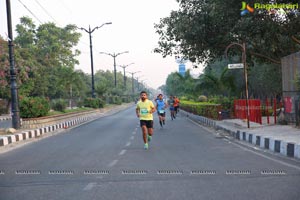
[{"x": 145, "y": 109}]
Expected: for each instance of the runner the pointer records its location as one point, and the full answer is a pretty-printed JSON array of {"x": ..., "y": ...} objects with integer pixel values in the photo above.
[
  {"x": 176, "y": 105},
  {"x": 144, "y": 110},
  {"x": 172, "y": 109},
  {"x": 160, "y": 107}
]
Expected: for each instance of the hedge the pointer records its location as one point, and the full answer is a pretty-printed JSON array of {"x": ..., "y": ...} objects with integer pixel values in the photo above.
[
  {"x": 205, "y": 109},
  {"x": 31, "y": 107}
]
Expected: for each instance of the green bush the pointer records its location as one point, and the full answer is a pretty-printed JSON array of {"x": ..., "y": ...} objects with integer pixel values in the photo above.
[
  {"x": 93, "y": 103},
  {"x": 126, "y": 99},
  {"x": 31, "y": 107},
  {"x": 226, "y": 102},
  {"x": 206, "y": 109},
  {"x": 202, "y": 98},
  {"x": 59, "y": 105},
  {"x": 115, "y": 100}
]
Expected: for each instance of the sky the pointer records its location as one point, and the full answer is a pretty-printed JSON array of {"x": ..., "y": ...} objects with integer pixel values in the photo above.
[{"x": 132, "y": 30}]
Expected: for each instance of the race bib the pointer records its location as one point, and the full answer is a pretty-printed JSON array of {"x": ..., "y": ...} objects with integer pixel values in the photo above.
[
  {"x": 161, "y": 111},
  {"x": 144, "y": 111}
]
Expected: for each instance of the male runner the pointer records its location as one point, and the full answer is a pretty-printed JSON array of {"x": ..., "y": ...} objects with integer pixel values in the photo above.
[
  {"x": 144, "y": 110},
  {"x": 160, "y": 107},
  {"x": 172, "y": 109}
]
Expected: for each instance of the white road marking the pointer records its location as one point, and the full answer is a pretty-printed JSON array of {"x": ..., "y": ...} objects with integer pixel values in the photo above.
[
  {"x": 113, "y": 163},
  {"x": 122, "y": 152},
  {"x": 132, "y": 137},
  {"x": 89, "y": 186},
  {"x": 128, "y": 144}
]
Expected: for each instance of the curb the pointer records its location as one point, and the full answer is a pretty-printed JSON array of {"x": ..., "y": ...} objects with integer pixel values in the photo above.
[
  {"x": 34, "y": 133},
  {"x": 288, "y": 149}
]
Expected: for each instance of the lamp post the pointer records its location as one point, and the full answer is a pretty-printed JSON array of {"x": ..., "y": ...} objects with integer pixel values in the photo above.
[
  {"x": 243, "y": 47},
  {"x": 90, "y": 31},
  {"x": 16, "y": 123},
  {"x": 124, "y": 67},
  {"x": 114, "y": 55},
  {"x": 137, "y": 80},
  {"x": 143, "y": 82},
  {"x": 132, "y": 73}
]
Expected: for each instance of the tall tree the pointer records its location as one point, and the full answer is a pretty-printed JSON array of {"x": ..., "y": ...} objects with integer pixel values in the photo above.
[
  {"x": 44, "y": 51},
  {"x": 201, "y": 30}
]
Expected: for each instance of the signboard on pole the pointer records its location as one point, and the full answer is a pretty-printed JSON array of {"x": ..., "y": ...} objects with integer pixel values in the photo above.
[
  {"x": 236, "y": 66},
  {"x": 182, "y": 69}
]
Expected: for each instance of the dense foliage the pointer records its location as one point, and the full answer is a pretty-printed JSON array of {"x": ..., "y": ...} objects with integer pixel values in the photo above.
[{"x": 45, "y": 59}]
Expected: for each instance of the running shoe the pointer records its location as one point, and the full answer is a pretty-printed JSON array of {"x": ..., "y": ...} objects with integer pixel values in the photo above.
[
  {"x": 146, "y": 146},
  {"x": 149, "y": 138}
]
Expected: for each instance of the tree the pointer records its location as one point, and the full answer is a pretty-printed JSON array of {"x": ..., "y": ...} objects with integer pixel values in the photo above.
[
  {"x": 201, "y": 30},
  {"x": 265, "y": 80},
  {"x": 179, "y": 85},
  {"x": 218, "y": 80},
  {"x": 45, "y": 52}
]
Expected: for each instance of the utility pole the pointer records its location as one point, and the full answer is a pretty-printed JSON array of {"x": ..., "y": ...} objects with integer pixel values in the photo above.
[
  {"x": 91, "y": 53},
  {"x": 16, "y": 123}
]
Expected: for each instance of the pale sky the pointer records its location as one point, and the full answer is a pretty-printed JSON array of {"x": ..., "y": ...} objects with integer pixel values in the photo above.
[{"x": 132, "y": 30}]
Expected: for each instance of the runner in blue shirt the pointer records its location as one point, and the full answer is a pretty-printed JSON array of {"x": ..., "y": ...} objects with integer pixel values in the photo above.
[{"x": 160, "y": 107}]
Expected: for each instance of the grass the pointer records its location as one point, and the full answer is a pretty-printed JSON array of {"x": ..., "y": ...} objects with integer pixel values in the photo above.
[
  {"x": 69, "y": 111},
  {"x": 77, "y": 110}
]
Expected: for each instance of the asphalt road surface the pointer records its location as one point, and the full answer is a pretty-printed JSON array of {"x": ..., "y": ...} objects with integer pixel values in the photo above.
[{"x": 105, "y": 159}]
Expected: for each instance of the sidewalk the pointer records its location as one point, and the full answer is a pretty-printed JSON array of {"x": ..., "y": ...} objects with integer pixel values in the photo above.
[
  {"x": 283, "y": 139},
  {"x": 21, "y": 135}
]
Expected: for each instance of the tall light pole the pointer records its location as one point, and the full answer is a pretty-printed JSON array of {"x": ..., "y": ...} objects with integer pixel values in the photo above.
[
  {"x": 124, "y": 67},
  {"x": 16, "y": 123},
  {"x": 90, "y": 31},
  {"x": 243, "y": 47},
  {"x": 132, "y": 73},
  {"x": 137, "y": 80},
  {"x": 114, "y": 55}
]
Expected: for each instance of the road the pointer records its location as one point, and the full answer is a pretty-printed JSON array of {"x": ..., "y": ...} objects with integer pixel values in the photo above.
[{"x": 105, "y": 159}]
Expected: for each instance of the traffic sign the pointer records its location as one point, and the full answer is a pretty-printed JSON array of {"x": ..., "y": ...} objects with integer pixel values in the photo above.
[{"x": 236, "y": 66}]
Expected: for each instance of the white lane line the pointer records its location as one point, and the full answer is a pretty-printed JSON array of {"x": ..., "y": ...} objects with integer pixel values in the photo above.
[
  {"x": 133, "y": 132},
  {"x": 122, "y": 152},
  {"x": 89, "y": 186},
  {"x": 132, "y": 137},
  {"x": 113, "y": 163},
  {"x": 128, "y": 144}
]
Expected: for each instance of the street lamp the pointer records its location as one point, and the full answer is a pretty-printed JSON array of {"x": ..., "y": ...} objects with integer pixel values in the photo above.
[
  {"x": 90, "y": 31},
  {"x": 243, "y": 47},
  {"x": 114, "y": 55},
  {"x": 124, "y": 67},
  {"x": 137, "y": 80},
  {"x": 144, "y": 84},
  {"x": 132, "y": 73},
  {"x": 16, "y": 123}
]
